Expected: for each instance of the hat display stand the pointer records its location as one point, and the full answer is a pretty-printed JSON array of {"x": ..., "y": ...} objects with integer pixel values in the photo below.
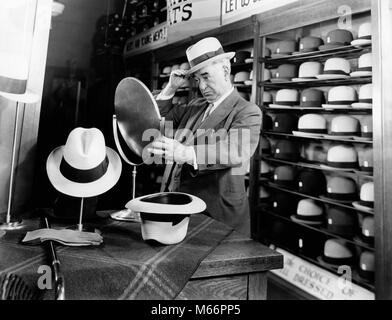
[
  {"x": 21, "y": 100},
  {"x": 126, "y": 215}
]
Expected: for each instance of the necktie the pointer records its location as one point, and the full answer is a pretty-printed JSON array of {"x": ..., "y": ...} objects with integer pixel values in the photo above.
[{"x": 208, "y": 112}]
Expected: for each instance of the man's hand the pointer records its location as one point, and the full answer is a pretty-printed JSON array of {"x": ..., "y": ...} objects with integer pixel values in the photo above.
[
  {"x": 177, "y": 79},
  {"x": 172, "y": 151}
]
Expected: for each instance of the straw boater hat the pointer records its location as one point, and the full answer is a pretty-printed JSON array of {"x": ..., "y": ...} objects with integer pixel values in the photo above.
[
  {"x": 84, "y": 167},
  {"x": 205, "y": 52}
]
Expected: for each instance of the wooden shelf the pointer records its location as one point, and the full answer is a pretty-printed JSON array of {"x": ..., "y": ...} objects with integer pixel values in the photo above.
[
  {"x": 322, "y": 230},
  {"x": 348, "y": 52},
  {"x": 350, "y": 174},
  {"x": 316, "y": 83},
  {"x": 284, "y": 135},
  {"x": 318, "y": 199}
]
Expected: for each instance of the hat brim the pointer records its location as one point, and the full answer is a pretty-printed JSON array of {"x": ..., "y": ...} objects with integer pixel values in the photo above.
[
  {"x": 196, "y": 205},
  {"x": 304, "y": 79},
  {"x": 361, "y": 42},
  {"x": 359, "y": 74},
  {"x": 330, "y": 46},
  {"x": 250, "y": 60},
  {"x": 227, "y": 55},
  {"x": 361, "y": 105},
  {"x": 358, "y": 205},
  {"x": 306, "y": 222},
  {"x": 337, "y": 106},
  {"x": 278, "y": 106},
  {"x": 307, "y": 135},
  {"x": 332, "y": 76},
  {"x": 83, "y": 190}
]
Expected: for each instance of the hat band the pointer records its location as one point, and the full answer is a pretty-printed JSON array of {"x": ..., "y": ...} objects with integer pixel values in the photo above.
[
  {"x": 342, "y": 196},
  {"x": 366, "y": 100},
  {"x": 313, "y": 130},
  {"x": 343, "y": 165},
  {"x": 367, "y": 169},
  {"x": 338, "y": 261},
  {"x": 369, "y": 37},
  {"x": 175, "y": 219},
  {"x": 367, "y": 135},
  {"x": 14, "y": 86},
  {"x": 333, "y": 72},
  {"x": 341, "y": 102},
  {"x": 309, "y": 218},
  {"x": 84, "y": 176},
  {"x": 287, "y": 103},
  {"x": 311, "y": 104},
  {"x": 206, "y": 56}
]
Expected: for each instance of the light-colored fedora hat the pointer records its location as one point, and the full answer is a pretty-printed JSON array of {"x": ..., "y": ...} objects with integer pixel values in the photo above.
[
  {"x": 165, "y": 216},
  {"x": 205, "y": 52},
  {"x": 84, "y": 167}
]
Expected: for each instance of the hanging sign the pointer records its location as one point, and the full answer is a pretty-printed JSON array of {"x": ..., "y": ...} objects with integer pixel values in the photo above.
[
  {"x": 146, "y": 41},
  {"x": 234, "y": 10},
  {"x": 187, "y": 18},
  {"x": 318, "y": 282}
]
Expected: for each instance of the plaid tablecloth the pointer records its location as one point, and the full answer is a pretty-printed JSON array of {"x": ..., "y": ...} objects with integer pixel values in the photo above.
[{"x": 124, "y": 267}]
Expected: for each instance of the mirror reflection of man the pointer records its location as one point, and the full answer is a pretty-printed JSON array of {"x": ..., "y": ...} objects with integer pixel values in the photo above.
[{"x": 211, "y": 163}]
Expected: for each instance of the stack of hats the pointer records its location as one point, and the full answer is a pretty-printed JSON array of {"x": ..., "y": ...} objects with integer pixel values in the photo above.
[
  {"x": 367, "y": 266},
  {"x": 336, "y": 39},
  {"x": 309, "y": 212},
  {"x": 309, "y": 44},
  {"x": 285, "y": 176},
  {"x": 314, "y": 152},
  {"x": 365, "y": 66},
  {"x": 312, "y": 125},
  {"x": 312, "y": 183},
  {"x": 365, "y": 100},
  {"x": 286, "y": 98},
  {"x": 345, "y": 127},
  {"x": 287, "y": 150},
  {"x": 341, "y": 222},
  {"x": 337, "y": 253},
  {"x": 285, "y": 123},
  {"x": 364, "y": 35},
  {"x": 312, "y": 98},
  {"x": 341, "y": 97},
  {"x": 342, "y": 157},
  {"x": 285, "y": 73},
  {"x": 285, "y": 48},
  {"x": 336, "y": 68},
  {"x": 309, "y": 71},
  {"x": 366, "y": 197},
  {"x": 341, "y": 189}
]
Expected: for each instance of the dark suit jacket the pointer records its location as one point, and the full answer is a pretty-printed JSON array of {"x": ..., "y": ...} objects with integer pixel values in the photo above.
[{"x": 222, "y": 156}]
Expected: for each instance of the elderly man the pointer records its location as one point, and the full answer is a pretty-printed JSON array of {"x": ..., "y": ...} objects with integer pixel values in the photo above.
[{"x": 216, "y": 136}]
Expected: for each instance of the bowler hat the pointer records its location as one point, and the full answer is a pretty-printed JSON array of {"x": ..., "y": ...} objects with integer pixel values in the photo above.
[
  {"x": 341, "y": 222},
  {"x": 367, "y": 195},
  {"x": 345, "y": 126},
  {"x": 285, "y": 72},
  {"x": 342, "y": 157},
  {"x": 285, "y": 123},
  {"x": 367, "y": 127},
  {"x": 365, "y": 97},
  {"x": 314, "y": 152},
  {"x": 287, "y": 150},
  {"x": 285, "y": 48},
  {"x": 365, "y": 66},
  {"x": 285, "y": 176},
  {"x": 364, "y": 35},
  {"x": 308, "y": 71},
  {"x": 367, "y": 266},
  {"x": 310, "y": 243},
  {"x": 312, "y": 183},
  {"x": 312, "y": 98},
  {"x": 165, "y": 216},
  {"x": 341, "y": 189},
  {"x": 241, "y": 56},
  {"x": 341, "y": 97},
  {"x": 309, "y": 212},
  {"x": 366, "y": 159},
  {"x": 337, "y": 253},
  {"x": 309, "y": 44},
  {"x": 337, "y": 38},
  {"x": 312, "y": 124},
  {"x": 335, "y": 68},
  {"x": 368, "y": 231},
  {"x": 283, "y": 203},
  {"x": 241, "y": 77},
  {"x": 286, "y": 98}
]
